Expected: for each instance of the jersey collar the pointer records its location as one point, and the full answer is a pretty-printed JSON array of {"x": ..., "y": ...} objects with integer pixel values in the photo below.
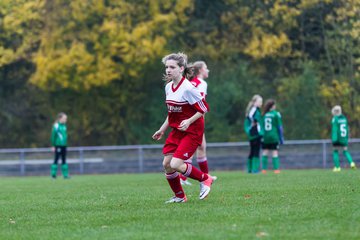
[{"x": 177, "y": 87}]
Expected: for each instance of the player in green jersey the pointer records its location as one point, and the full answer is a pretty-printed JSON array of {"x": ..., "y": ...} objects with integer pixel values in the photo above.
[
  {"x": 339, "y": 138},
  {"x": 59, "y": 143},
  {"x": 253, "y": 130},
  {"x": 273, "y": 136}
]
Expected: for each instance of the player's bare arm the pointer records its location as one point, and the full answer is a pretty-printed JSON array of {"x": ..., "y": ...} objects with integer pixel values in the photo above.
[
  {"x": 187, "y": 122},
  {"x": 159, "y": 133}
]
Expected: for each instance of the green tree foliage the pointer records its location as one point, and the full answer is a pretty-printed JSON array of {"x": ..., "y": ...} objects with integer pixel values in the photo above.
[
  {"x": 24, "y": 108},
  {"x": 225, "y": 120},
  {"x": 91, "y": 43},
  {"x": 301, "y": 106},
  {"x": 342, "y": 40},
  {"x": 20, "y": 26},
  {"x": 90, "y": 59}
]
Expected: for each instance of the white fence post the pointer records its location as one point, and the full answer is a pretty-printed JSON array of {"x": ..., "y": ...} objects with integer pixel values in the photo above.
[
  {"x": 324, "y": 155},
  {"x": 141, "y": 159},
  {"x": 22, "y": 163},
  {"x": 81, "y": 162}
]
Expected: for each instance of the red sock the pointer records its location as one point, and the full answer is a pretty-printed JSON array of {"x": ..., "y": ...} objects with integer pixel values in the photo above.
[
  {"x": 195, "y": 173},
  {"x": 203, "y": 164},
  {"x": 174, "y": 182},
  {"x": 182, "y": 177}
]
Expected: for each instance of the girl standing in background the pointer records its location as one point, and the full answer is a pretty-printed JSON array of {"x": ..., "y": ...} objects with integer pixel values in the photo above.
[
  {"x": 339, "y": 138},
  {"x": 59, "y": 143},
  {"x": 273, "y": 135},
  {"x": 253, "y": 130}
]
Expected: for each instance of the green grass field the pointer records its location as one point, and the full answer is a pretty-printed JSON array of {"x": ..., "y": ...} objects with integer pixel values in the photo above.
[{"x": 302, "y": 204}]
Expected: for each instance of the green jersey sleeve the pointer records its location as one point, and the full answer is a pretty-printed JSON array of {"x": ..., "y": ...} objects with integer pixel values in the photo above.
[
  {"x": 253, "y": 123},
  {"x": 334, "y": 130},
  {"x": 53, "y": 135}
]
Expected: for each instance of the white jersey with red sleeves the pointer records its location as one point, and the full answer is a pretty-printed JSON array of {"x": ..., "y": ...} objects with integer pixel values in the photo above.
[
  {"x": 200, "y": 84},
  {"x": 183, "y": 102}
]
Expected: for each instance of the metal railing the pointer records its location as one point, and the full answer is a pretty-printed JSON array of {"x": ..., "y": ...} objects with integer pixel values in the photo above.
[{"x": 145, "y": 158}]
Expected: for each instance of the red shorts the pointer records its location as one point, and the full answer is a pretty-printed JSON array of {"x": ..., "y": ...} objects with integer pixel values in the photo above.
[{"x": 181, "y": 144}]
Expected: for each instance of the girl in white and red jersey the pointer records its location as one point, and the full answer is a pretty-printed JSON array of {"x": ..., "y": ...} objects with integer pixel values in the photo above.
[
  {"x": 186, "y": 108},
  {"x": 199, "y": 72}
]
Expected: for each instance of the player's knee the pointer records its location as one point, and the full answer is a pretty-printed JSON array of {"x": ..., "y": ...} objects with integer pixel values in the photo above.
[
  {"x": 166, "y": 164},
  {"x": 275, "y": 154},
  {"x": 176, "y": 164}
]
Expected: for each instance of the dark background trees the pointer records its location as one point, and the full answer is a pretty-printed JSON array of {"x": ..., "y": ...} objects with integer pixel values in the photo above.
[{"x": 100, "y": 62}]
